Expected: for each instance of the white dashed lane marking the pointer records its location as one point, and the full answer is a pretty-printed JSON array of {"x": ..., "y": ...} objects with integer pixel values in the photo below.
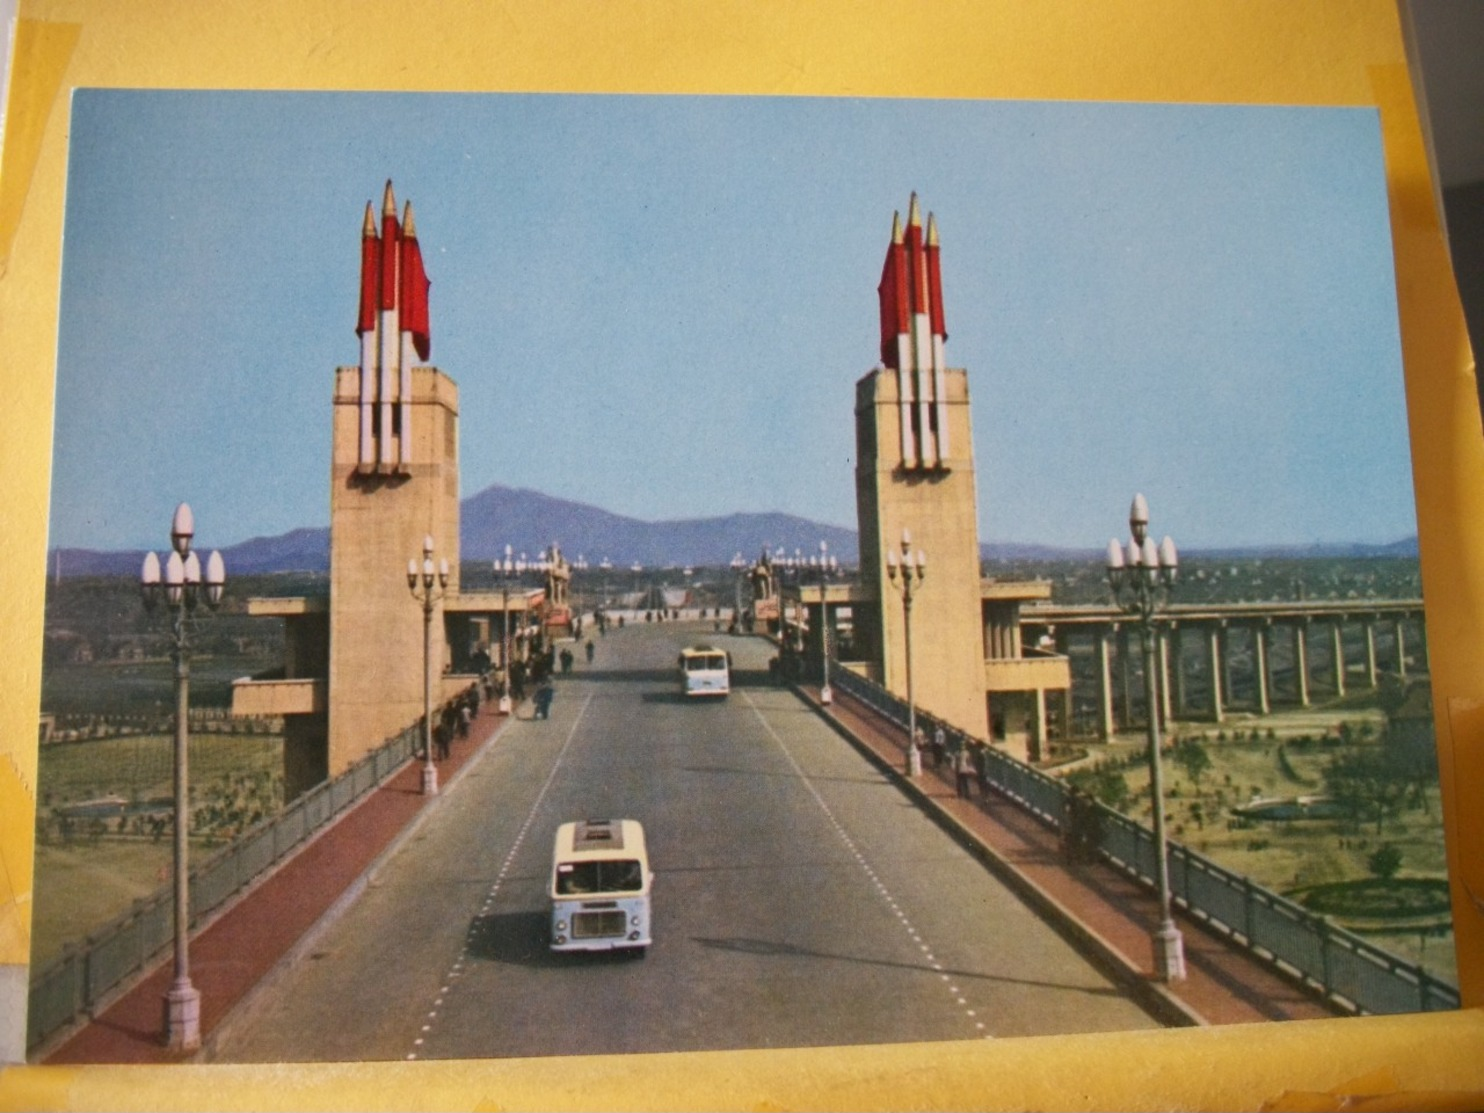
[
  {"x": 489, "y": 900},
  {"x": 870, "y": 873}
]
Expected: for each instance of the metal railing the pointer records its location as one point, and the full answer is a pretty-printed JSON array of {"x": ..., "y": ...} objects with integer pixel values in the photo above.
[
  {"x": 1331, "y": 960},
  {"x": 86, "y": 974}
]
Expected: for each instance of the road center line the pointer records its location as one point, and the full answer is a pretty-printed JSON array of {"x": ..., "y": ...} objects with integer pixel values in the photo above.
[
  {"x": 520, "y": 837},
  {"x": 870, "y": 873}
]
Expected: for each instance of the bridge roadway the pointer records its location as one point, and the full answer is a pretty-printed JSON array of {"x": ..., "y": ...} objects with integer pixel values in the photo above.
[{"x": 800, "y": 898}]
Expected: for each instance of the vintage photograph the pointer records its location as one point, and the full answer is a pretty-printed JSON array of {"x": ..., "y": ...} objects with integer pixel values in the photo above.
[{"x": 540, "y": 575}]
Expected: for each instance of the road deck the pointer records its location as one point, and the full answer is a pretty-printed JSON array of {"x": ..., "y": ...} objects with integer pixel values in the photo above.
[{"x": 238, "y": 950}]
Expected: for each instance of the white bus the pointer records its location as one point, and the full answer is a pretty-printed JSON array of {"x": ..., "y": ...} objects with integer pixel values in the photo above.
[
  {"x": 705, "y": 671},
  {"x": 600, "y": 883}
]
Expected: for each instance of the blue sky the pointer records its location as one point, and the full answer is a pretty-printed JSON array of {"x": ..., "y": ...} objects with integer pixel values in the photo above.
[{"x": 660, "y": 305}]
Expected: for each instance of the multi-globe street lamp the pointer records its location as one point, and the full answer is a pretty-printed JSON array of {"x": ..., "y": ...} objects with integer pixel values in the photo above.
[
  {"x": 908, "y": 572},
  {"x": 1141, "y": 580},
  {"x": 503, "y": 571},
  {"x": 421, "y": 581},
  {"x": 183, "y": 581}
]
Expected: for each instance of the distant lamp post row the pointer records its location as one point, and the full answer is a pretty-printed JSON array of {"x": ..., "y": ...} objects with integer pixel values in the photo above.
[
  {"x": 1141, "y": 579},
  {"x": 421, "y": 581},
  {"x": 907, "y": 573},
  {"x": 183, "y": 582}
]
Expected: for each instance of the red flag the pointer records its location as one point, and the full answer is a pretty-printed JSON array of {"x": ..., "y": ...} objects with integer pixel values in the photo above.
[
  {"x": 414, "y": 297},
  {"x": 893, "y": 293},
  {"x": 370, "y": 274},
  {"x": 390, "y": 255},
  {"x": 935, "y": 282},
  {"x": 917, "y": 265},
  {"x": 888, "y": 294}
]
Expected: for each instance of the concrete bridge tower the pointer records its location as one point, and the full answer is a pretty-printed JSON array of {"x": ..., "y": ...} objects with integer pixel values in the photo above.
[
  {"x": 353, "y": 673},
  {"x": 394, "y": 481},
  {"x": 915, "y": 472}
]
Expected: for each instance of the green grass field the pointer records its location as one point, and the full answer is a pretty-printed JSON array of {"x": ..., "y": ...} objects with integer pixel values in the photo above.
[
  {"x": 83, "y": 882},
  {"x": 1292, "y": 856},
  {"x": 140, "y": 766}
]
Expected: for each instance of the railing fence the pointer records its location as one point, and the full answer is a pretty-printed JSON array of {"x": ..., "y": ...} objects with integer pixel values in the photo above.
[
  {"x": 86, "y": 974},
  {"x": 1330, "y": 959}
]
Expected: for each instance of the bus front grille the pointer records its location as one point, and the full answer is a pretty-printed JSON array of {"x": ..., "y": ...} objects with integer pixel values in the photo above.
[{"x": 597, "y": 925}]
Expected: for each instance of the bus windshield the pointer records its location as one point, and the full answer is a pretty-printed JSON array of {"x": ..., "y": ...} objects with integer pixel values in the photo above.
[
  {"x": 581, "y": 878},
  {"x": 705, "y": 662}
]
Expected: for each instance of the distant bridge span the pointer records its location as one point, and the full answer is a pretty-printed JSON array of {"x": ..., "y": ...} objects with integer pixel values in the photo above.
[{"x": 1210, "y": 637}]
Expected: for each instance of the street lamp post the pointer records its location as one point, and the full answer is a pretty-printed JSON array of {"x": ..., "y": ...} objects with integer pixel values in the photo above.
[
  {"x": 737, "y": 566},
  {"x": 420, "y": 582},
  {"x": 906, "y": 573},
  {"x": 827, "y": 567},
  {"x": 1141, "y": 580},
  {"x": 504, "y": 570},
  {"x": 183, "y": 581}
]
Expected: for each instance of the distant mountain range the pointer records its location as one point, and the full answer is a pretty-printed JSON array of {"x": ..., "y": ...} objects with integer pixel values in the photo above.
[{"x": 529, "y": 521}]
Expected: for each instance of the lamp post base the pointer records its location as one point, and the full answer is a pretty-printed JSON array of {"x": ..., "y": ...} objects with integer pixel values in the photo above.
[
  {"x": 914, "y": 761},
  {"x": 1169, "y": 953},
  {"x": 826, "y": 695},
  {"x": 183, "y": 1017},
  {"x": 430, "y": 780}
]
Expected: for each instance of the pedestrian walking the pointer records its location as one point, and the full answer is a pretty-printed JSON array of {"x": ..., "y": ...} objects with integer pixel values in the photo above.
[
  {"x": 940, "y": 746},
  {"x": 589, "y": 651},
  {"x": 963, "y": 771},
  {"x": 440, "y": 741},
  {"x": 544, "y": 696},
  {"x": 466, "y": 716},
  {"x": 981, "y": 768}
]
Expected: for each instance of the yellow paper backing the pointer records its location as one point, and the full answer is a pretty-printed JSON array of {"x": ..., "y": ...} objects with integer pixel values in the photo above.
[{"x": 1315, "y": 52}]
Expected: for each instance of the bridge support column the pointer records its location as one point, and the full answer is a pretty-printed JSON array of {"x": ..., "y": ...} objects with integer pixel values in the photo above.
[
  {"x": 1372, "y": 675},
  {"x": 1260, "y": 664},
  {"x": 1226, "y": 665},
  {"x": 1218, "y": 669},
  {"x": 1301, "y": 661},
  {"x": 1182, "y": 704},
  {"x": 1101, "y": 642},
  {"x": 1126, "y": 678},
  {"x": 1039, "y": 751},
  {"x": 1337, "y": 644},
  {"x": 1401, "y": 649}
]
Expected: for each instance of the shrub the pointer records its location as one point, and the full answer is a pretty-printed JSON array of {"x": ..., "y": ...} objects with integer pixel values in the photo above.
[{"x": 1385, "y": 861}]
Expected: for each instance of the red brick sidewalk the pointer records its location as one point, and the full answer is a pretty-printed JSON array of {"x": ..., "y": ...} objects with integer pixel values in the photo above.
[
  {"x": 235, "y": 952},
  {"x": 1104, "y": 910}
]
